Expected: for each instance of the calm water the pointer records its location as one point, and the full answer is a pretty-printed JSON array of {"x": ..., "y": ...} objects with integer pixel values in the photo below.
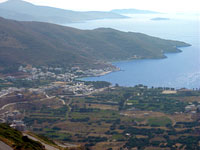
[{"x": 178, "y": 70}]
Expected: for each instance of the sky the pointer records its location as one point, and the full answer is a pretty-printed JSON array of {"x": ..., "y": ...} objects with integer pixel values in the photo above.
[{"x": 169, "y": 6}]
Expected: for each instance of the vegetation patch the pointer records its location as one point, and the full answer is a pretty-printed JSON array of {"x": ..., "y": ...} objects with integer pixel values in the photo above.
[
  {"x": 159, "y": 121},
  {"x": 118, "y": 137}
]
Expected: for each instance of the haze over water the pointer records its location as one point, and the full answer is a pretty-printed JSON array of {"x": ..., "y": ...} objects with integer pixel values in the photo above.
[{"x": 178, "y": 70}]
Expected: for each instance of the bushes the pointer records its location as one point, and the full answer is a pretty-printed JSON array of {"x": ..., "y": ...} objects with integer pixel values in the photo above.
[{"x": 85, "y": 119}]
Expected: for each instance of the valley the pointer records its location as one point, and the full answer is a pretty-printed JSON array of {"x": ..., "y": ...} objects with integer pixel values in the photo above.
[{"x": 107, "y": 116}]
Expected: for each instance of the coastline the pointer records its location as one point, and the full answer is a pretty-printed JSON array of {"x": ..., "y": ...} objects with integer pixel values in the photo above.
[
  {"x": 100, "y": 74},
  {"x": 104, "y": 73},
  {"x": 115, "y": 68}
]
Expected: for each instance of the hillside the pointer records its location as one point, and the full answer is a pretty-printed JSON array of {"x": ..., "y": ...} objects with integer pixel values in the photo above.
[
  {"x": 133, "y": 11},
  {"x": 25, "y": 11},
  {"x": 16, "y": 140},
  {"x": 39, "y": 43},
  {"x": 13, "y": 139}
]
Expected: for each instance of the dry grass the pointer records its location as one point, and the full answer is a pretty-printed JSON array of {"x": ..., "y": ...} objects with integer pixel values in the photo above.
[
  {"x": 169, "y": 92},
  {"x": 102, "y": 106}
]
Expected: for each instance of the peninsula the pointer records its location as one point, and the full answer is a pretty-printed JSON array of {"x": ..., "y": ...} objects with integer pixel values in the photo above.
[{"x": 45, "y": 44}]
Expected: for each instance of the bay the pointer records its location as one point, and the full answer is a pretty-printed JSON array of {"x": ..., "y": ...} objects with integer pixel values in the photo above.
[{"x": 178, "y": 70}]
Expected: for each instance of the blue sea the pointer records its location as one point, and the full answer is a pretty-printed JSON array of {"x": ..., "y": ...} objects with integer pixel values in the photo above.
[{"x": 178, "y": 70}]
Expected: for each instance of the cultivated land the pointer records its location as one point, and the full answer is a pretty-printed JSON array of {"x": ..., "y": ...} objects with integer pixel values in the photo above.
[{"x": 110, "y": 116}]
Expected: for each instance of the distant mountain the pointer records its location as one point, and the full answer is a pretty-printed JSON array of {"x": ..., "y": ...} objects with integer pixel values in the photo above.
[
  {"x": 39, "y": 43},
  {"x": 159, "y": 19},
  {"x": 24, "y": 11},
  {"x": 133, "y": 11}
]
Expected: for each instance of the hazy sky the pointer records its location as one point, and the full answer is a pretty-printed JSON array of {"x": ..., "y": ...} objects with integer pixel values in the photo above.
[{"x": 156, "y": 5}]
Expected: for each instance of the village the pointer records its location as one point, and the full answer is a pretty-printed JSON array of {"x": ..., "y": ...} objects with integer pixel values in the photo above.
[
  {"x": 60, "y": 80},
  {"x": 55, "y": 77}
]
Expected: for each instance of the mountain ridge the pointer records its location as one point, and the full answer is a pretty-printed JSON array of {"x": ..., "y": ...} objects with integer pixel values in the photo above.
[
  {"x": 38, "y": 43},
  {"x": 25, "y": 11}
]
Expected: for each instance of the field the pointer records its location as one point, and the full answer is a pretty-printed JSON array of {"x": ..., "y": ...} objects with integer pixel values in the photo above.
[{"x": 159, "y": 121}]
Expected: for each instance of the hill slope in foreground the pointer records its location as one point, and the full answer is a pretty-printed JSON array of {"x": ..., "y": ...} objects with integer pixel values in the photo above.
[
  {"x": 16, "y": 140},
  {"x": 13, "y": 139},
  {"x": 39, "y": 43}
]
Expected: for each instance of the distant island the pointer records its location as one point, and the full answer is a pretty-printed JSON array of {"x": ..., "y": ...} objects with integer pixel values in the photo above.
[
  {"x": 133, "y": 11},
  {"x": 25, "y": 11},
  {"x": 159, "y": 18}
]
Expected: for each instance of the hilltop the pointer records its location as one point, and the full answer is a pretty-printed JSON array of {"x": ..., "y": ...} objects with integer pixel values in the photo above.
[
  {"x": 25, "y": 11},
  {"x": 37, "y": 43}
]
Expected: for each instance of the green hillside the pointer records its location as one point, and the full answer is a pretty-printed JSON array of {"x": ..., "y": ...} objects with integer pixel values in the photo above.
[
  {"x": 39, "y": 43},
  {"x": 16, "y": 140}
]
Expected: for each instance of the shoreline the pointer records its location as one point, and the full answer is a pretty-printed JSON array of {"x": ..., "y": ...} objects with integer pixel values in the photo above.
[
  {"x": 131, "y": 59},
  {"x": 119, "y": 62},
  {"x": 99, "y": 75}
]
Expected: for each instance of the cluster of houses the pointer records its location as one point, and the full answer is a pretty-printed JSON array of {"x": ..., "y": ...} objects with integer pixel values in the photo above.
[
  {"x": 192, "y": 108},
  {"x": 75, "y": 88},
  {"x": 60, "y": 74},
  {"x": 79, "y": 88},
  {"x": 47, "y": 73},
  {"x": 9, "y": 90},
  {"x": 14, "y": 119}
]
